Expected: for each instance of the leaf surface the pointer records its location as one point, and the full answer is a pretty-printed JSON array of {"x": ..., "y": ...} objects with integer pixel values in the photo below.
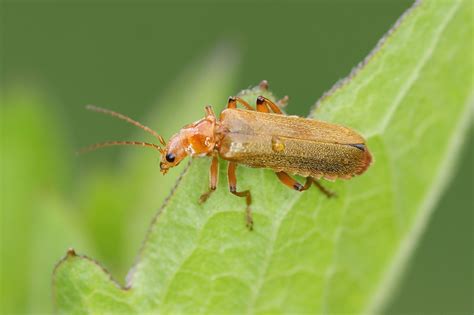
[{"x": 411, "y": 99}]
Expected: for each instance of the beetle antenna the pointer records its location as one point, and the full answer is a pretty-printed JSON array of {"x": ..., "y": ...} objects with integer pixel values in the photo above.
[
  {"x": 127, "y": 119},
  {"x": 115, "y": 143}
]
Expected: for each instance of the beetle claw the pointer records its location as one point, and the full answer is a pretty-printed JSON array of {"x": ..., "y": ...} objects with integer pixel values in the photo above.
[
  {"x": 249, "y": 223},
  {"x": 203, "y": 198}
]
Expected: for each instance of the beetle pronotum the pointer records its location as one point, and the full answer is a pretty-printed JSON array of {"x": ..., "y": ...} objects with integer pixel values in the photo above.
[{"x": 261, "y": 137}]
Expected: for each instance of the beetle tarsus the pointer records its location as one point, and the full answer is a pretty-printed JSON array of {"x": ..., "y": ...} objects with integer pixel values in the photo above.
[
  {"x": 203, "y": 198},
  {"x": 283, "y": 102},
  {"x": 324, "y": 190},
  {"x": 249, "y": 219}
]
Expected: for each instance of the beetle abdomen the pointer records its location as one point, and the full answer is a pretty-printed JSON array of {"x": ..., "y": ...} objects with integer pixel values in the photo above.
[
  {"x": 296, "y": 156},
  {"x": 292, "y": 144}
]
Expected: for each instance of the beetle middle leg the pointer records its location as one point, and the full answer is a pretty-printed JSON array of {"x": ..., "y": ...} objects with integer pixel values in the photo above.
[
  {"x": 292, "y": 183},
  {"x": 246, "y": 193},
  {"x": 213, "y": 177},
  {"x": 233, "y": 100},
  {"x": 265, "y": 105}
]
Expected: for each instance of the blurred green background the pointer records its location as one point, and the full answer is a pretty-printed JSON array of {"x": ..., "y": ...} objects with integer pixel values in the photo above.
[{"x": 151, "y": 61}]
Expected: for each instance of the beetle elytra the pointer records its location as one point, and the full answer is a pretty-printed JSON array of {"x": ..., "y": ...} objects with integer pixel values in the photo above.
[{"x": 260, "y": 137}]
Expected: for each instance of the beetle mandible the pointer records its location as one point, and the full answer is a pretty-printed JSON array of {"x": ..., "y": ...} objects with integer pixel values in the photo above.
[{"x": 260, "y": 137}]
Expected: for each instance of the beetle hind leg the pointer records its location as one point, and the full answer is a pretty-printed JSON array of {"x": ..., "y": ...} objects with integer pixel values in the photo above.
[
  {"x": 246, "y": 193},
  {"x": 323, "y": 189},
  {"x": 293, "y": 184}
]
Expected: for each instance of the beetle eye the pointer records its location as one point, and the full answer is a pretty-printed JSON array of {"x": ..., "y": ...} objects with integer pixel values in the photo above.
[{"x": 170, "y": 157}]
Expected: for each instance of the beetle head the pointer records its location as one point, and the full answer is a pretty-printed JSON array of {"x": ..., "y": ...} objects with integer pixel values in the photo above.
[
  {"x": 196, "y": 139},
  {"x": 193, "y": 139},
  {"x": 172, "y": 154}
]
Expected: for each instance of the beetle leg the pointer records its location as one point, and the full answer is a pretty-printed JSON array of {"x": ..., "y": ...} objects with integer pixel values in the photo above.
[
  {"x": 209, "y": 111},
  {"x": 246, "y": 193},
  {"x": 323, "y": 189},
  {"x": 264, "y": 105},
  {"x": 292, "y": 183},
  {"x": 213, "y": 177},
  {"x": 233, "y": 100},
  {"x": 283, "y": 102}
]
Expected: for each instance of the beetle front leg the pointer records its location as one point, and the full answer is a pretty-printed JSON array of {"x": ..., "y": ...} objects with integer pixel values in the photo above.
[
  {"x": 213, "y": 177},
  {"x": 246, "y": 193},
  {"x": 209, "y": 111}
]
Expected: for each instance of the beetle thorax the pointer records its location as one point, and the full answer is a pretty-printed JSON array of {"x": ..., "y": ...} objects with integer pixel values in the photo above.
[{"x": 198, "y": 139}]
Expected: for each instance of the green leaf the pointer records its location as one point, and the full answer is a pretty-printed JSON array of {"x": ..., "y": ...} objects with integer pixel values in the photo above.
[
  {"x": 121, "y": 218},
  {"x": 411, "y": 98}
]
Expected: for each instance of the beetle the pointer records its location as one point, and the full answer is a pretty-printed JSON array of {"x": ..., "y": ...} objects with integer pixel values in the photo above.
[{"x": 260, "y": 137}]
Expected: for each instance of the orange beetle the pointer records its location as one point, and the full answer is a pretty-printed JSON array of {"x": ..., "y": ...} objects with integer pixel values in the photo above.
[{"x": 261, "y": 137}]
